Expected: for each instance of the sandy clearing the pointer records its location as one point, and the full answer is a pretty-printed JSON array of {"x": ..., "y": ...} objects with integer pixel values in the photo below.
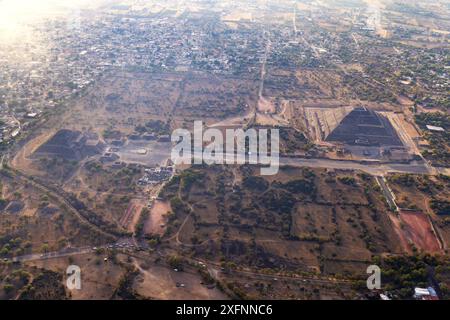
[
  {"x": 418, "y": 230},
  {"x": 156, "y": 217}
]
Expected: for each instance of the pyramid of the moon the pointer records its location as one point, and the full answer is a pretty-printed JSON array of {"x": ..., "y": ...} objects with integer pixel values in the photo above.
[{"x": 365, "y": 127}]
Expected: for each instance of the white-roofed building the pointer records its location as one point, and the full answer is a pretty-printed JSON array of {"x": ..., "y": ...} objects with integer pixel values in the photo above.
[{"x": 434, "y": 128}]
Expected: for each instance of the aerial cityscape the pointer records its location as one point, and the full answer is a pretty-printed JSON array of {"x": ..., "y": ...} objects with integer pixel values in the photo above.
[{"x": 98, "y": 97}]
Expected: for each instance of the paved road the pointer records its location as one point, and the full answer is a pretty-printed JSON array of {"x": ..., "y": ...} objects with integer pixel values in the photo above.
[
  {"x": 375, "y": 168},
  {"x": 213, "y": 268},
  {"x": 52, "y": 255},
  {"x": 125, "y": 243},
  {"x": 294, "y": 19},
  {"x": 263, "y": 68}
]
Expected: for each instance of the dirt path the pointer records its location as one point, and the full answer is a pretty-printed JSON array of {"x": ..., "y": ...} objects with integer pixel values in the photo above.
[{"x": 436, "y": 231}]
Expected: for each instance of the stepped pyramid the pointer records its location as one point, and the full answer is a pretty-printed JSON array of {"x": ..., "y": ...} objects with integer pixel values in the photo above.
[
  {"x": 365, "y": 127},
  {"x": 332, "y": 118}
]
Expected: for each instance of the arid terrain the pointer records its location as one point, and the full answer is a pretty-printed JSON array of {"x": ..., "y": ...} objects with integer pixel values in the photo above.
[{"x": 357, "y": 89}]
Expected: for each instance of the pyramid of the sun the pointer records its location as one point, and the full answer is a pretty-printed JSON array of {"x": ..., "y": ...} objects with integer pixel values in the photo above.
[{"x": 365, "y": 127}]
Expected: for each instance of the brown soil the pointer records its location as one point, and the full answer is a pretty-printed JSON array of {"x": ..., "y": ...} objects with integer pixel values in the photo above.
[
  {"x": 156, "y": 218},
  {"x": 418, "y": 230}
]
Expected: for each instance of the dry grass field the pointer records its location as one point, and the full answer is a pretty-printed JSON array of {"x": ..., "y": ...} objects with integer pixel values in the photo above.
[
  {"x": 300, "y": 219},
  {"x": 428, "y": 197}
]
